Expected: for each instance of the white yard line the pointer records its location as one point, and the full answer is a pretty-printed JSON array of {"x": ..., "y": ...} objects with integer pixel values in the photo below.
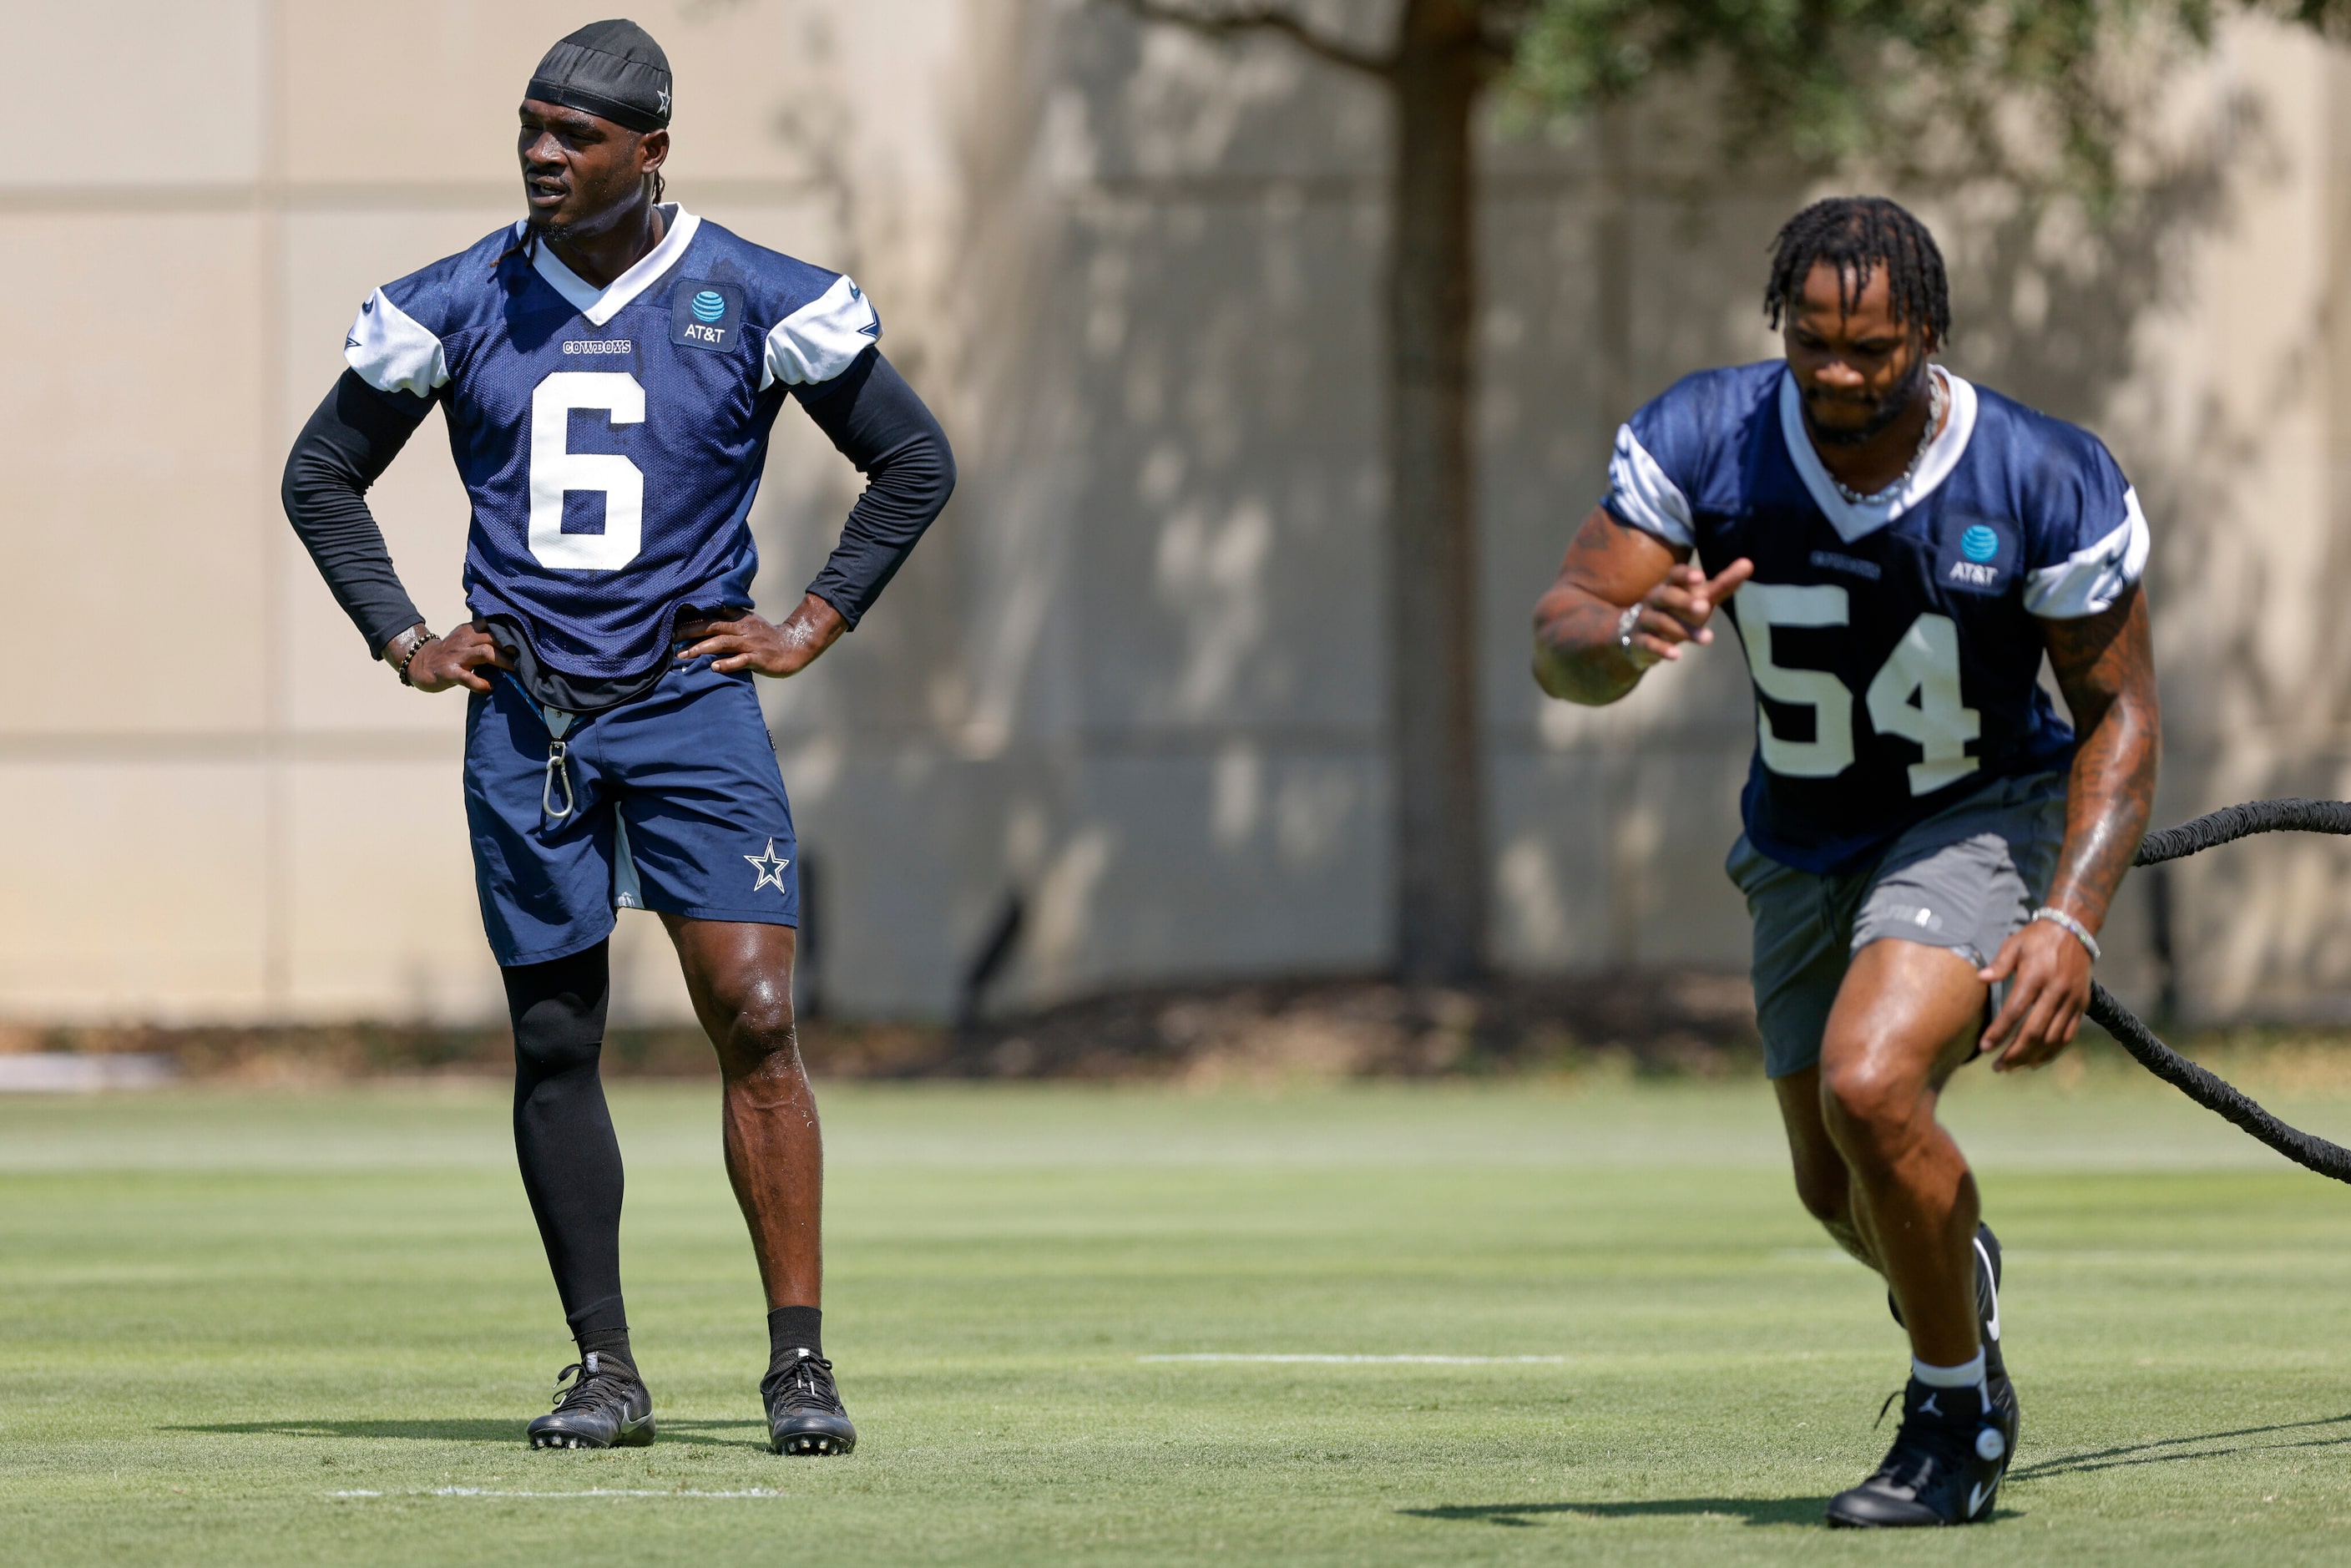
[
  {"x": 1377, "y": 1360},
  {"x": 590, "y": 1491}
]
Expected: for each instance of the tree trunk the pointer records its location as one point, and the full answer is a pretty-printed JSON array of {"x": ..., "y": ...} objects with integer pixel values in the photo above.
[{"x": 1439, "y": 770}]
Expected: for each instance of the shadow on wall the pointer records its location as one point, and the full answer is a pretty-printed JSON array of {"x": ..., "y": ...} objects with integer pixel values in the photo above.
[
  {"x": 2220, "y": 420},
  {"x": 1149, "y": 653}
]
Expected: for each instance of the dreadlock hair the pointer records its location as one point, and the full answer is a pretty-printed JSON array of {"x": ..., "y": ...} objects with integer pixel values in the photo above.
[
  {"x": 523, "y": 245},
  {"x": 1855, "y": 235}
]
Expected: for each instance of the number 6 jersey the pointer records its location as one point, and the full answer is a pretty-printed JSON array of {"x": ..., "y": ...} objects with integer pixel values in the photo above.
[
  {"x": 610, "y": 440},
  {"x": 1894, "y": 644}
]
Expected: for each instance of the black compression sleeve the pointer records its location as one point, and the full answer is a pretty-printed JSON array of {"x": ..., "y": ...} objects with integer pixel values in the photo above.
[
  {"x": 348, "y": 442},
  {"x": 878, "y": 423},
  {"x": 563, "y": 1137}
]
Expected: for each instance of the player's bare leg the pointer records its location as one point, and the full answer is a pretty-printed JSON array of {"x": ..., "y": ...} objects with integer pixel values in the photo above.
[
  {"x": 1905, "y": 1018},
  {"x": 1824, "y": 1183},
  {"x": 740, "y": 976}
]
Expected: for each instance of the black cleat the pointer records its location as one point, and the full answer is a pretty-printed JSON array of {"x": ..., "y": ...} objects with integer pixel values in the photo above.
[
  {"x": 804, "y": 1410},
  {"x": 606, "y": 1407},
  {"x": 1945, "y": 1467}
]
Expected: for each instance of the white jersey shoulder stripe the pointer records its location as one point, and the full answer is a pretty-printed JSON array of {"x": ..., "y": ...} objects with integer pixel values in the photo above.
[
  {"x": 819, "y": 340},
  {"x": 2090, "y": 581},
  {"x": 1640, "y": 494},
  {"x": 392, "y": 351}
]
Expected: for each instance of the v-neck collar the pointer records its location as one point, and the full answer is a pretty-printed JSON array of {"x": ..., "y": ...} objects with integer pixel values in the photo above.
[
  {"x": 600, "y": 304},
  {"x": 1853, "y": 520}
]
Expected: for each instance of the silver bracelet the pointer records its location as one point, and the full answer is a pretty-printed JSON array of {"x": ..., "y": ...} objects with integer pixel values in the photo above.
[
  {"x": 1626, "y": 624},
  {"x": 2059, "y": 917}
]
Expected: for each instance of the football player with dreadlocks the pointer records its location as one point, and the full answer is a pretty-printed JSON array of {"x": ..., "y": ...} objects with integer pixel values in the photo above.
[
  {"x": 1930, "y": 847},
  {"x": 610, "y": 367}
]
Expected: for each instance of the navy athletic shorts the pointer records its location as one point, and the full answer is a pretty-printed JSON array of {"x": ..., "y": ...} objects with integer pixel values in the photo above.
[{"x": 672, "y": 802}]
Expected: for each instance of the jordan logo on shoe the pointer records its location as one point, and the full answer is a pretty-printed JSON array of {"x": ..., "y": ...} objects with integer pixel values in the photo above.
[{"x": 1928, "y": 1407}]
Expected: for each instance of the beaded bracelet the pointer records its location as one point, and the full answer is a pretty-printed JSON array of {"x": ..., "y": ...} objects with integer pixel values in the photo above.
[{"x": 410, "y": 657}]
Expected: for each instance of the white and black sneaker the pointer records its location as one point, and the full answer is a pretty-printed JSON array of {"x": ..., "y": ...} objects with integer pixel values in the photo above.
[
  {"x": 804, "y": 1410},
  {"x": 605, "y": 1406},
  {"x": 1945, "y": 1467}
]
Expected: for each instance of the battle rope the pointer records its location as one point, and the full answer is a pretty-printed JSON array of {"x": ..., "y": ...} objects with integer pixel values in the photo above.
[{"x": 2224, "y": 827}]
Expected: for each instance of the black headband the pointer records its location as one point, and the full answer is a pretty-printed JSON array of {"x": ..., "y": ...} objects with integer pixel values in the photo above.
[{"x": 613, "y": 69}]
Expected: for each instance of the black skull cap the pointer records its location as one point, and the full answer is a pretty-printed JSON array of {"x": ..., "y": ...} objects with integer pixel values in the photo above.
[{"x": 613, "y": 69}]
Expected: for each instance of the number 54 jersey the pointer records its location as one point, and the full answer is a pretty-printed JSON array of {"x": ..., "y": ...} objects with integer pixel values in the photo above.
[
  {"x": 1895, "y": 643},
  {"x": 610, "y": 439}
]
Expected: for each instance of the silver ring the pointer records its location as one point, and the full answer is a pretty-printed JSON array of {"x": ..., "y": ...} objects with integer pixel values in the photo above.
[{"x": 1626, "y": 624}]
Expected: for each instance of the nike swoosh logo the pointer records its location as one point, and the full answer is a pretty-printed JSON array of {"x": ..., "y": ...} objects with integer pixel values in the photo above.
[
  {"x": 1991, "y": 1327},
  {"x": 1976, "y": 1495}
]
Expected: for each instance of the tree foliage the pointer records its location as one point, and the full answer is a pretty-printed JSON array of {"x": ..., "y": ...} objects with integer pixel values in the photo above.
[{"x": 2039, "y": 89}]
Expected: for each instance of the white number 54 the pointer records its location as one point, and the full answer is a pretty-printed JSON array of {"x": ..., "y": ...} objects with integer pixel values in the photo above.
[{"x": 1914, "y": 695}]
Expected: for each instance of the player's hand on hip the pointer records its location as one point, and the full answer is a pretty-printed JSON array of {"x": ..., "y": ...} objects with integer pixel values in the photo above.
[
  {"x": 458, "y": 659},
  {"x": 739, "y": 640},
  {"x": 1676, "y": 610},
  {"x": 2048, "y": 971}
]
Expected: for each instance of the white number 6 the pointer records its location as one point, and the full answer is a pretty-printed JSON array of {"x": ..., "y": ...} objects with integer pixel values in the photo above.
[{"x": 555, "y": 468}]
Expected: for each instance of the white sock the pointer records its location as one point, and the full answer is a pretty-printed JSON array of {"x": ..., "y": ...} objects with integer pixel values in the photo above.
[{"x": 1967, "y": 1374}]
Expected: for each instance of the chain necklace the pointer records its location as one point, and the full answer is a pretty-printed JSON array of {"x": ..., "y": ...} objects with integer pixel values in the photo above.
[{"x": 1935, "y": 399}]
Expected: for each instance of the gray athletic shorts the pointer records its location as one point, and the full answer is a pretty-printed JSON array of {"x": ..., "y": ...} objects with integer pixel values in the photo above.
[{"x": 1967, "y": 878}]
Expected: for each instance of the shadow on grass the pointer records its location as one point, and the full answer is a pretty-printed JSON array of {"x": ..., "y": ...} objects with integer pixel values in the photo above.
[
  {"x": 1805, "y": 1511},
  {"x": 1747, "y": 1509},
  {"x": 505, "y": 1433},
  {"x": 2155, "y": 1452}
]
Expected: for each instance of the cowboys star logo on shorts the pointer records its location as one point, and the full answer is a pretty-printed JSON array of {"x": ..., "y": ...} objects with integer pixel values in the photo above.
[{"x": 770, "y": 867}]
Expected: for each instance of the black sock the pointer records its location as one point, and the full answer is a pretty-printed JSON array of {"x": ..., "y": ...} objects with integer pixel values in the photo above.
[
  {"x": 564, "y": 1140},
  {"x": 607, "y": 1345},
  {"x": 791, "y": 1330}
]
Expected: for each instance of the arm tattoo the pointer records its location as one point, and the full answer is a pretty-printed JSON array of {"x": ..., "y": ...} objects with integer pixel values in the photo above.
[{"x": 2105, "y": 665}]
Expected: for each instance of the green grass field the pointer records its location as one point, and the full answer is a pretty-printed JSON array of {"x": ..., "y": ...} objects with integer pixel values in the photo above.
[{"x": 300, "y": 1328}]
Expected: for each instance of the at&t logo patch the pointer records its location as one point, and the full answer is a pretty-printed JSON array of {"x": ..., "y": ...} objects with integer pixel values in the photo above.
[
  {"x": 705, "y": 315},
  {"x": 1977, "y": 556}
]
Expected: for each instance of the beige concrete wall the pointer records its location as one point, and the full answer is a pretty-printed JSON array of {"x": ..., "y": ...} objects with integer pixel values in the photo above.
[{"x": 1136, "y": 670}]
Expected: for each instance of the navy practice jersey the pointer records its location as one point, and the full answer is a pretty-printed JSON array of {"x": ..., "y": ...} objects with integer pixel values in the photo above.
[
  {"x": 611, "y": 440},
  {"x": 1894, "y": 644}
]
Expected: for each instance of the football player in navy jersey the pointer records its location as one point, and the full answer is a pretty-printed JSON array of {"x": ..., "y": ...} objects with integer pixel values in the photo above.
[
  {"x": 610, "y": 367},
  {"x": 1931, "y": 849}
]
